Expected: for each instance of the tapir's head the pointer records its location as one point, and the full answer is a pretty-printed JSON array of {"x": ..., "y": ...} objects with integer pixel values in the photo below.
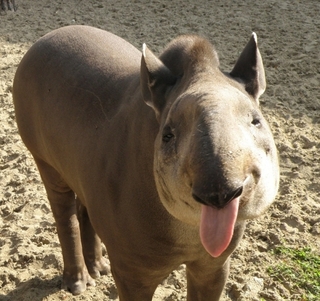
[{"x": 215, "y": 160}]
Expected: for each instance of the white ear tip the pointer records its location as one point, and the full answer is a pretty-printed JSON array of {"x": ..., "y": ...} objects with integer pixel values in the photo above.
[
  {"x": 254, "y": 35},
  {"x": 144, "y": 47}
]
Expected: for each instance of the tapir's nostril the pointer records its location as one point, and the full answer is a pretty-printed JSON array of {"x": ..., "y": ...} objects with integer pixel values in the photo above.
[
  {"x": 218, "y": 200},
  {"x": 229, "y": 197},
  {"x": 256, "y": 173},
  {"x": 198, "y": 199}
]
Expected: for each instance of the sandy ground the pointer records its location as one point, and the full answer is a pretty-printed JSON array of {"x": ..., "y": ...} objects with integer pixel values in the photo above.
[{"x": 288, "y": 33}]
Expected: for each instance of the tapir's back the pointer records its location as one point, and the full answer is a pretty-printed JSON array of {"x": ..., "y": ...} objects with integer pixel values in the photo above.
[
  {"x": 77, "y": 74},
  {"x": 77, "y": 59}
]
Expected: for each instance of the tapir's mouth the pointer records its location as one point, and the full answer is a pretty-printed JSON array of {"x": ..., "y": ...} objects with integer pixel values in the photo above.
[
  {"x": 217, "y": 227},
  {"x": 217, "y": 222}
]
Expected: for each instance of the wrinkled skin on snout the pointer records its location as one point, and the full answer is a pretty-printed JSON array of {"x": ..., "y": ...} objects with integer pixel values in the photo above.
[{"x": 162, "y": 158}]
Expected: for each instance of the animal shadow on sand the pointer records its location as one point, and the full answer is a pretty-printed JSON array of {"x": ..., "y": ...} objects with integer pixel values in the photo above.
[{"x": 29, "y": 290}]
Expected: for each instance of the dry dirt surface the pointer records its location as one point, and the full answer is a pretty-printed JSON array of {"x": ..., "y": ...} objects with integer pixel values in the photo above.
[{"x": 288, "y": 32}]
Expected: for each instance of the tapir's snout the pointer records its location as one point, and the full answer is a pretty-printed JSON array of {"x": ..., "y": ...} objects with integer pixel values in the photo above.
[
  {"x": 218, "y": 179},
  {"x": 219, "y": 199}
]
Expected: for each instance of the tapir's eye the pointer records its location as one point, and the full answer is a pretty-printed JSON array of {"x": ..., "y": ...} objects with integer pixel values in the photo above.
[
  {"x": 167, "y": 137},
  {"x": 256, "y": 122},
  {"x": 167, "y": 134},
  {"x": 256, "y": 119}
]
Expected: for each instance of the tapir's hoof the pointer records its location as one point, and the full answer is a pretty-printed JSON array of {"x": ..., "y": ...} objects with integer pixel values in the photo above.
[
  {"x": 77, "y": 284},
  {"x": 98, "y": 268}
]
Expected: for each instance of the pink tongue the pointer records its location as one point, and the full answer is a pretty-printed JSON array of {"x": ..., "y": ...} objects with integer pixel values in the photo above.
[{"x": 216, "y": 227}]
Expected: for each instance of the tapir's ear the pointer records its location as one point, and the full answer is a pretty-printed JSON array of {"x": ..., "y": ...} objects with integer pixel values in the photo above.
[
  {"x": 155, "y": 79},
  {"x": 249, "y": 69}
]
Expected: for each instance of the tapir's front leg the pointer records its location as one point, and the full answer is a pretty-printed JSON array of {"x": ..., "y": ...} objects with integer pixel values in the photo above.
[
  {"x": 134, "y": 289},
  {"x": 91, "y": 244},
  {"x": 206, "y": 283},
  {"x": 63, "y": 205},
  {"x": 207, "y": 276}
]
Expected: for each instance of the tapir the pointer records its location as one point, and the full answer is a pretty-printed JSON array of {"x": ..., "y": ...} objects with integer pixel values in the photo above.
[{"x": 162, "y": 158}]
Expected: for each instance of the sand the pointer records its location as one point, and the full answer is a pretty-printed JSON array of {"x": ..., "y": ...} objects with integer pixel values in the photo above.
[{"x": 288, "y": 33}]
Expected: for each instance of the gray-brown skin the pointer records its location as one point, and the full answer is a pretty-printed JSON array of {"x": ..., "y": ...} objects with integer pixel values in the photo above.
[{"x": 146, "y": 178}]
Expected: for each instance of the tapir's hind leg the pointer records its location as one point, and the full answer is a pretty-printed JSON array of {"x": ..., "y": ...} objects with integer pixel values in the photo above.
[
  {"x": 63, "y": 205},
  {"x": 91, "y": 245}
]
